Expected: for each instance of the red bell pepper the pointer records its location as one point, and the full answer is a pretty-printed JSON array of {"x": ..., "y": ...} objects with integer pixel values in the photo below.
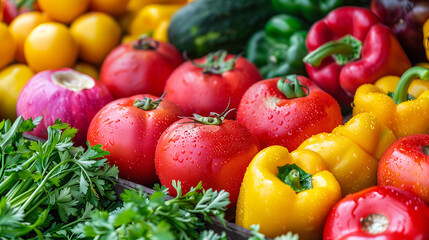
[
  {"x": 351, "y": 47},
  {"x": 378, "y": 212}
]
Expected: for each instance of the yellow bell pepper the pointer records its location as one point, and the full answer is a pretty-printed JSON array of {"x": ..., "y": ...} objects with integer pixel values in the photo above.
[
  {"x": 276, "y": 195},
  {"x": 135, "y": 5},
  {"x": 352, "y": 151},
  {"x": 152, "y": 18},
  {"x": 426, "y": 37},
  {"x": 12, "y": 80},
  {"x": 406, "y": 111}
]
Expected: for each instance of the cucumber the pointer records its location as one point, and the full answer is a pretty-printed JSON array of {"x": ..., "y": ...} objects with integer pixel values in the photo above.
[{"x": 204, "y": 26}]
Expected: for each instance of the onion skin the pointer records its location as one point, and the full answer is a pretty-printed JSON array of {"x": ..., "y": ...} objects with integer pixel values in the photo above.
[{"x": 42, "y": 97}]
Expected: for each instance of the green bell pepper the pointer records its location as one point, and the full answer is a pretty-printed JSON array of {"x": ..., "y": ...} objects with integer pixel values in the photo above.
[
  {"x": 309, "y": 10},
  {"x": 278, "y": 50},
  {"x": 313, "y": 10}
]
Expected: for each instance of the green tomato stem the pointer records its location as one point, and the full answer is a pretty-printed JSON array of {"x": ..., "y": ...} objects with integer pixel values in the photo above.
[
  {"x": 426, "y": 150},
  {"x": 292, "y": 90},
  {"x": 215, "y": 63},
  {"x": 147, "y": 104}
]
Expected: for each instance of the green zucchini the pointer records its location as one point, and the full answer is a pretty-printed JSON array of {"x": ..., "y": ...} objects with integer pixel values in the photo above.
[{"x": 204, "y": 26}]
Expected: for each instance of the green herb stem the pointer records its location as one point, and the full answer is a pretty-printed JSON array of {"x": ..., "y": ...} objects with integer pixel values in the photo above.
[
  {"x": 8, "y": 182},
  {"x": 17, "y": 201},
  {"x": 35, "y": 206},
  {"x": 42, "y": 184}
]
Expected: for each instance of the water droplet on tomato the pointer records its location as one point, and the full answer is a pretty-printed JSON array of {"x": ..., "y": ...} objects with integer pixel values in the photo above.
[
  {"x": 174, "y": 138},
  {"x": 175, "y": 156}
]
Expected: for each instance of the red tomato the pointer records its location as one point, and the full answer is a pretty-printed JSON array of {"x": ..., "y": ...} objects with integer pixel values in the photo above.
[
  {"x": 209, "y": 83},
  {"x": 405, "y": 164},
  {"x": 130, "y": 134},
  {"x": 386, "y": 213},
  {"x": 287, "y": 120},
  {"x": 217, "y": 155},
  {"x": 139, "y": 67},
  {"x": 11, "y": 10}
]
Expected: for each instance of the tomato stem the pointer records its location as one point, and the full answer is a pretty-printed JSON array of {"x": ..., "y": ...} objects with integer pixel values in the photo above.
[
  {"x": 212, "y": 119},
  {"x": 148, "y": 103},
  {"x": 146, "y": 43},
  {"x": 215, "y": 63},
  {"x": 426, "y": 150},
  {"x": 293, "y": 88}
]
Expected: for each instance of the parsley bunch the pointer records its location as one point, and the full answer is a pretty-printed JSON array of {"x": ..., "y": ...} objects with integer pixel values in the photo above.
[
  {"x": 47, "y": 188},
  {"x": 156, "y": 217}
]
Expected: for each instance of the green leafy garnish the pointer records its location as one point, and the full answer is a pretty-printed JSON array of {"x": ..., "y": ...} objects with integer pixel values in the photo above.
[
  {"x": 46, "y": 188},
  {"x": 156, "y": 217},
  {"x": 259, "y": 236}
]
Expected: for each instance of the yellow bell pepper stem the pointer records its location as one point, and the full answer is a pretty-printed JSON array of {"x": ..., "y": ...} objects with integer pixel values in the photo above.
[
  {"x": 267, "y": 200},
  {"x": 401, "y": 90},
  {"x": 406, "y": 111}
]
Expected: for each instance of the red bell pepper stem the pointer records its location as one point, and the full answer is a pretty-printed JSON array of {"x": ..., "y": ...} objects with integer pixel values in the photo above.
[
  {"x": 344, "y": 50},
  {"x": 405, "y": 81}
]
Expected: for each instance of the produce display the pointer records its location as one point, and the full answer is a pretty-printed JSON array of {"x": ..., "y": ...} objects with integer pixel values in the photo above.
[{"x": 214, "y": 119}]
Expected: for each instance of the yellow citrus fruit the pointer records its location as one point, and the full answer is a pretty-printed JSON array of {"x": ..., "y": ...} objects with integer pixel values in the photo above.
[
  {"x": 87, "y": 69},
  {"x": 21, "y": 26},
  {"x": 96, "y": 34},
  {"x": 64, "y": 11},
  {"x": 7, "y": 45},
  {"x": 50, "y": 46},
  {"x": 111, "y": 7},
  {"x": 12, "y": 80}
]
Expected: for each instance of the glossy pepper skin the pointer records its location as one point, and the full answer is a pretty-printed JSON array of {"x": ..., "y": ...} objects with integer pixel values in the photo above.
[
  {"x": 351, "y": 152},
  {"x": 278, "y": 50},
  {"x": 405, "y": 18},
  {"x": 378, "y": 213},
  {"x": 339, "y": 65},
  {"x": 266, "y": 200},
  {"x": 153, "y": 20},
  {"x": 404, "y": 117},
  {"x": 426, "y": 38},
  {"x": 278, "y": 117}
]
